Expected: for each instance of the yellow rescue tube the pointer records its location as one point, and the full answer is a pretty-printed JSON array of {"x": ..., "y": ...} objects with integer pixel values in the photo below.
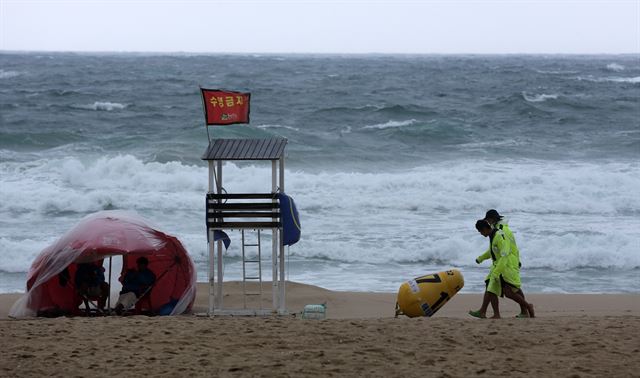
[{"x": 425, "y": 295}]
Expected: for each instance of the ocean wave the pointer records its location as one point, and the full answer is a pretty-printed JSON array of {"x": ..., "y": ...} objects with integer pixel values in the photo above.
[
  {"x": 8, "y": 74},
  {"x": 14, "y": 105},
  {"x": 516, "y": 102},
  {"x": 539, "y": 97},
  {"x": 388, "y": 110},
  {"x": 126, "y": 181},
  {"x": 28, "y": 137},
  {"x": 391, "y": 124},
  {"x": 102, "y": 106},
  {"x": 553, "y": 72},
  {"x": 51, "y": 92},
  {"x": 348, "y": 110},
  {"x": 615, "y": 67},
  {"x": 494, "y": 143},
  {"x": 63, "y": 92},
  {"x": 346, "y": 130},
  {"x": 566, "y": 214},
  {"x": 278, "y": 127},
  {"x": 613, "y": 79},
  {"x": 7, "y": 155},
  {"x": 18, "y": 254},
  {"x": 118, "y": 182},
  {"x": 551, "y": 253},
  {"x": 634, "y": 80},
  {"x": 405, "y": 110}
]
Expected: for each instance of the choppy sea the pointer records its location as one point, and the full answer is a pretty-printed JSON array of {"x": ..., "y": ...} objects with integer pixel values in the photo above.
[{"x": 391, "y": 159}]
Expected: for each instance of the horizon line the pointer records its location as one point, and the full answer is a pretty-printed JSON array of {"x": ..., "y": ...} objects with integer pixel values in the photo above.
[{"x": 132, "y": 52}]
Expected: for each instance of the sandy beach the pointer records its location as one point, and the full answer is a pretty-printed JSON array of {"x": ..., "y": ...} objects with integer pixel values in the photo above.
[{"x": 575, "y": 335}]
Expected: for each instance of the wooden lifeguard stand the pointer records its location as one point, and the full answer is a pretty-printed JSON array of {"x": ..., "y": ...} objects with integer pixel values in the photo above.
[{"x": 245, "y": 211}]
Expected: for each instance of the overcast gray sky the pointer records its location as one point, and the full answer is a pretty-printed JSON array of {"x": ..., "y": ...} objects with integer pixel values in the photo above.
[{"x": 513, "y": 26}]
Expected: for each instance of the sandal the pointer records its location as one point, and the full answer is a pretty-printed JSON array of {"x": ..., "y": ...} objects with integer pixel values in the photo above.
[{"x": 477, "y": 314}]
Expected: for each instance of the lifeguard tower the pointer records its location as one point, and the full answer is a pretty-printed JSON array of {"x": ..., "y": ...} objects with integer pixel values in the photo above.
[{"x": 253, "y": 214}]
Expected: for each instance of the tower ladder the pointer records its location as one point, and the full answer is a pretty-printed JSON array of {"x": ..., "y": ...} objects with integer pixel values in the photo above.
[{"x": 254, "y": 260}]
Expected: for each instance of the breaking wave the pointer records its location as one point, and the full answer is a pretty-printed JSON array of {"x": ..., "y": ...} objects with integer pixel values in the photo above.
[
  {"x": 539, "y": 98},
  {"x": 391, "y": 124},
  {"x": 8, "y": 74},
  {"x": 423, "y": 214},
  {"x": 278, "y": 127},
  {"x": 102, "y": 106},
  {"x": 614, "y": 79},
  {"x": 615, "y": 67}
]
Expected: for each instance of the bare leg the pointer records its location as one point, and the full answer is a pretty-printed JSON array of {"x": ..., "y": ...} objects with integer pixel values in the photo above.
[
  {"x": 494, "y": 305},
  {"x": 86, "y": 306},
  {"x": 523, "y": 310},
  {"x": 104, "y": 294},
  {"x": 485, "y": 303},
  {"x": 532, "y": 313},
  {"x": 482, "y": 312},
  {"x": 82, "y": 292},
  {"x": 518, "y": 297}
]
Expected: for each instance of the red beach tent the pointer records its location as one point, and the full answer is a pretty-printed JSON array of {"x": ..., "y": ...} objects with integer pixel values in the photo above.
[{"x": 99, "y": 236}]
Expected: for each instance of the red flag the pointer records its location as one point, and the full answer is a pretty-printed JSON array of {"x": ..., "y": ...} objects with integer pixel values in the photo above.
[{"x": 225, "y": 107}]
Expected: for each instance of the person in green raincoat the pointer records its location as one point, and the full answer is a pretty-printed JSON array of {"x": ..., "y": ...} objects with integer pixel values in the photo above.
[
  {"x": 504, "y": 275},
  {"x": 497, "y": 221}
]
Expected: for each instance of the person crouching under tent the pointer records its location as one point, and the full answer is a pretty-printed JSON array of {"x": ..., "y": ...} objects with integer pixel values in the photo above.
[
  {"x": 504, "y": 275},
  {"x": 136, "y": 283},
  {"x": 90, "y": 285}
]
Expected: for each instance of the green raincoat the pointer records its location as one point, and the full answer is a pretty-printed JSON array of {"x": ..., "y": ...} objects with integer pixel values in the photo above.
[
  {"x": 502, "y": 225},
  {"x": 506, "y": 261}
]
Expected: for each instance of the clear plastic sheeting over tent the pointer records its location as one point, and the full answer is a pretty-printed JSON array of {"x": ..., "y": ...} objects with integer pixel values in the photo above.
[{"x": 99, "y": 236}]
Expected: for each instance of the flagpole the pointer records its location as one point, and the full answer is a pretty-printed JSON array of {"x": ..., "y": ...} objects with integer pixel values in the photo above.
[{"x": 204, "y": 111}]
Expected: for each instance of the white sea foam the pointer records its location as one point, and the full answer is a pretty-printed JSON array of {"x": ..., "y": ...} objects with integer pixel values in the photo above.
[
  {"x": 615, "y": 67},
  {"x": 539, "y": 97},
  {"x": 71, "y": 185},
  {"x": 278, "y": 127},
  {"x": 633, "y": 80},
  {"x": 17, "y": 254},
  {"x": 8, "y": 74},
  {"x": 565, "y": 215},
  {"x": 391, "y": 124},
  {"x": 346, "y": 130},
  {"x": 614, "y": 79},
  {"x": 104, "y": 106}
]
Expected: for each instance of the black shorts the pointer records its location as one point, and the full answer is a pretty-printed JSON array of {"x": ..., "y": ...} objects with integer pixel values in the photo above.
[{"x": 503, "y": 283}]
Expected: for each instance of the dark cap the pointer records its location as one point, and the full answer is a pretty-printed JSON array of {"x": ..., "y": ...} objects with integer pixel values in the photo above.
[
  {"x": 493, "y": 214},
  {"x": 142, "y": 261},
  {"x": 482, "y": 224}
]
